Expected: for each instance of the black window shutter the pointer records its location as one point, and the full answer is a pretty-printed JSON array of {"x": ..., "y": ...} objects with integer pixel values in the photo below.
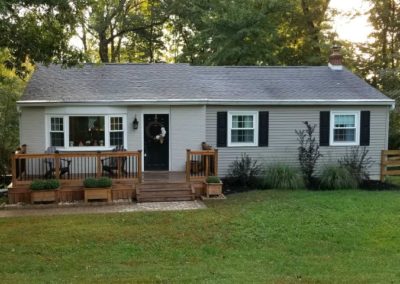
[
  {"x": 263, "y": 128},
  {"x": 222, "y": 129},
  {"x": 365, "y": 128},
  {"x": 324, "y": 119}
]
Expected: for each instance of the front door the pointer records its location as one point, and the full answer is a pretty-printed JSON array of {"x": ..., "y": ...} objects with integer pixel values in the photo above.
[{"x": 156, "y": 141}]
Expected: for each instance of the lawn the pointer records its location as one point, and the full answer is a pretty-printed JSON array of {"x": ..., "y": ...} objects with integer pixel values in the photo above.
[{"x": 261, "y": 236}]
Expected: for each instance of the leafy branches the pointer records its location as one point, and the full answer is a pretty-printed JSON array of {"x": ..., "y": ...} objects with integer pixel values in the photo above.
[{"x": 308, "y": 152}]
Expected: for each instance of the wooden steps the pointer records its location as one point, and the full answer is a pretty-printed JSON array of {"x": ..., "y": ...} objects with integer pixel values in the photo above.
[{"x": 159, "y": 192}]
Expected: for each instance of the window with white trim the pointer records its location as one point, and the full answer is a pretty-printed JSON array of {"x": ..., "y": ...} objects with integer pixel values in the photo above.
[
  {"x": 87, "y": 131},
  {"x": 57, "y": 131},
  {"x": 242, "y": 129},
  {"x": 345, "y": 128},
  {"x": 116, "y": 131}
]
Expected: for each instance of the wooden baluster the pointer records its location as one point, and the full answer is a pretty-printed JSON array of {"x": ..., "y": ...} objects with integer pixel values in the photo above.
[
  {"x": 98, "y": 164},
  {"x": 56, "y": 164}
]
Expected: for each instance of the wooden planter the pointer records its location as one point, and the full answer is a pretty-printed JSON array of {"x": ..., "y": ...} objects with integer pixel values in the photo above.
[
  {"x": 97, "y": 193},
  {"x": 213, "y": 189},
  {"x": 44, "y": 196}
]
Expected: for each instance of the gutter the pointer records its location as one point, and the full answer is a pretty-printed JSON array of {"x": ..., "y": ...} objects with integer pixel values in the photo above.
[{"x": 32, "y": 103}]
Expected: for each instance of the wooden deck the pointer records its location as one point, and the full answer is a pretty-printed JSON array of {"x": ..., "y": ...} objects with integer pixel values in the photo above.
[{"x": 129, "y": 182}]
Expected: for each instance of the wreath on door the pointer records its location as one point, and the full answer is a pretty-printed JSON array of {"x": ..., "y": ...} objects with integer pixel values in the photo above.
[{"x": 156, "y": 131}]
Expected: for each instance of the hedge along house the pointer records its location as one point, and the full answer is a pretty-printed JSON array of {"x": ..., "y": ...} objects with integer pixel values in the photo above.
[{"x": 165, "y": 109}]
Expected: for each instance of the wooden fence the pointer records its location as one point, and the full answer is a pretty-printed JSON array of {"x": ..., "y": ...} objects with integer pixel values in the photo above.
[
  {"x": 390, "y": 163},
  {"x": 201, "y": 164}
]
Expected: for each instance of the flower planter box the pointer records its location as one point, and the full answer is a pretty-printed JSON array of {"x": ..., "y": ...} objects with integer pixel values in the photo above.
[
  {"x": 213, "y": 189},
  {"x": 44, "y": 196},
  {"x": 98, "y": 193}
]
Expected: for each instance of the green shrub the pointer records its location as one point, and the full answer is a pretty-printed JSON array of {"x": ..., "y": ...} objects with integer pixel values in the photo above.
[
  {"x": 213, "y": 179},
  {"x": 102, "y": 182},
  {"x": 357, "y": 163},
  {"x": 244, "y": 172},
  {"x": 337, "y": 177},
  {"x": 48, "y": 184},
  {"x": 283, "y": 177}
]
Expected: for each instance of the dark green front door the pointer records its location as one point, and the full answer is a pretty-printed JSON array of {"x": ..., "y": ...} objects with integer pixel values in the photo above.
[{"x": 156, "y": 142}]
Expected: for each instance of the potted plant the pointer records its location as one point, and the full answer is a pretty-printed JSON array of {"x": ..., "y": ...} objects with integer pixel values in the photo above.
[
  {"x": 97, "y": 188},
  {"x": 213, "y": 186},
  {"x": 44, "y": 190}
]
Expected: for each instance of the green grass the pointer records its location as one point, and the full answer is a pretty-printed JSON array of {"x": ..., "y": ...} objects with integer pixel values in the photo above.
[{"x": 262, "y": 236}]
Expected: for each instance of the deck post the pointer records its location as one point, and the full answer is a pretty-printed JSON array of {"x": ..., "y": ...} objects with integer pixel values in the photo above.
[
  {"x": 207, "y": 165},
  {"x": 57, "y": 164},
  {"x": 139, "y": 167},
  {"x": 188, "y": 165},
  {"x": 216, "y": 162},
  {"x": 13, "y": 169},
  {"x": 383, "y": 159}
]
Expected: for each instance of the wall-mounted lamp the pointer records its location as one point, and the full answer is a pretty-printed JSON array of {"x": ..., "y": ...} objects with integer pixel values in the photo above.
[{"x": 135, "y": 123}]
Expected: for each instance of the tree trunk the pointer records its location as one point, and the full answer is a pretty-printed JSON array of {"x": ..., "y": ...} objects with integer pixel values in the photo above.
[{"x": 103, "y": 48}]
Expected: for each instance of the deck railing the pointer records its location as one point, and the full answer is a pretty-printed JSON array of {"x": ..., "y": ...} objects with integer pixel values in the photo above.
[
  {"x": 201, "y": 164},
  {"x": 390, "y": 163},
  {"x": 76, "y": 166}
]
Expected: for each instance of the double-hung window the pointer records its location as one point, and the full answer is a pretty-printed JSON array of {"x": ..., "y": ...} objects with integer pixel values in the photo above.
[
  {"x": 242, "y": 128},
  {"x": 116, "y": 131},
  {"x": 57, "y": 131},
  {"x": 345, "y": 128}
]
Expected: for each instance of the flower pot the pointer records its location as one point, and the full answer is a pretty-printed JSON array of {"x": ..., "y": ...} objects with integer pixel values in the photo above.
[
  {"x": 97, "y": 193},
  {"x": 44, "y": 196},
  {"x": 213, "y": 188}
]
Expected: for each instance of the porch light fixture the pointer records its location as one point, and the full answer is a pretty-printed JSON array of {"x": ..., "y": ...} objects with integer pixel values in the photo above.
[{"x": 135, "y": 123}]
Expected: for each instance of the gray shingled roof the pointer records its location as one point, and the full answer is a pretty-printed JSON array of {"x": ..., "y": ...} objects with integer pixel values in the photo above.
[{"x": 134, "y": 83}]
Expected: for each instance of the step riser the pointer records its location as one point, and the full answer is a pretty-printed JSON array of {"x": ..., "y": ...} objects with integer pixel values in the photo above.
[{"x": 164, "y": 199}]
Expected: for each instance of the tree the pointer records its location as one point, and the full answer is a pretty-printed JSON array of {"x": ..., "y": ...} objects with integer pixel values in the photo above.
[
  {"x": 11, "y": 87},
  {"x": 37, "y": 31},
  {"x": 250, "y": 32},
  {"x": 112, "y": 23}
]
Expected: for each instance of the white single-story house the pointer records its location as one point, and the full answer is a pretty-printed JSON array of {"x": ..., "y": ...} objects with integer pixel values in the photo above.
[{"x": 164, "y": 109}]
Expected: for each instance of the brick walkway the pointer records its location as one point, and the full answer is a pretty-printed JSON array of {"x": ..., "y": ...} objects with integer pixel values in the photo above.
[{"x": 45, "y": 210}]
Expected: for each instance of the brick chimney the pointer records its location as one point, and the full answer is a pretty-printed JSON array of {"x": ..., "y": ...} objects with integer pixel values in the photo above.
[{"x": 335, "y": 59}]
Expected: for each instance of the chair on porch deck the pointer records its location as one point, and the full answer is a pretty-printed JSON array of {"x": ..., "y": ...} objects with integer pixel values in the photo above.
[
  {"x": 50, "y": 164},
  {"x": 114, "y": 166}
]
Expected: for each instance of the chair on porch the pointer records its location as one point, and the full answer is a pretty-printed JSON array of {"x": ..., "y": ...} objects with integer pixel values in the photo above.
[
  {"x": 50, "y": 164},
  {"x": 114, "y": 166}
]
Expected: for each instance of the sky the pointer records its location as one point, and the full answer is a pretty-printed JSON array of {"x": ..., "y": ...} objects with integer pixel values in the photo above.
[{"x": 355, "y": 30}]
